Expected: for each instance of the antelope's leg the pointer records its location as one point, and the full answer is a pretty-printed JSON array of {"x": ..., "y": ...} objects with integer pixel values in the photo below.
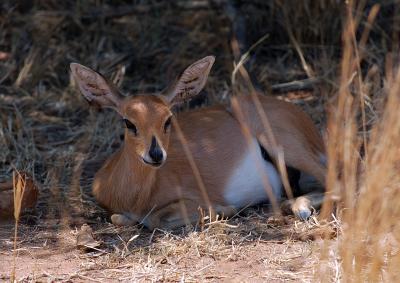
[
  {"x": 303, "y": 206},
  {"x": 216, "y": 213},
  {"x": 182, "y": 213},
  {"x": 124, "y": 219}
]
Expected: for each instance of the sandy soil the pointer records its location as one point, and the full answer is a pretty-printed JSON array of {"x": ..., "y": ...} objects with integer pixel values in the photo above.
[{"x": 245, "y": 250}]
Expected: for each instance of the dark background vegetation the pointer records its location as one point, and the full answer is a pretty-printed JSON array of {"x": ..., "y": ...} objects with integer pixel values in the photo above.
[{"x": 151, "y": 42}]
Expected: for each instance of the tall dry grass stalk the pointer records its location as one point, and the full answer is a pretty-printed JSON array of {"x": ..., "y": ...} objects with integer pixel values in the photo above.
[
  {"x": 365, "y": 190},
  {"x": 19, "y": 185}
]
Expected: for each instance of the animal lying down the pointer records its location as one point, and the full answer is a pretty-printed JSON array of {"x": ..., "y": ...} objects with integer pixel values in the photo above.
[{"x": 161, "y": 182}]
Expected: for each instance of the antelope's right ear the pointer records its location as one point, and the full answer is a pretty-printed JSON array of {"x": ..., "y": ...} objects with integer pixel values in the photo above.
[
  {"x": 95, "y": 87},
  {"x": 191, "y": 81}
]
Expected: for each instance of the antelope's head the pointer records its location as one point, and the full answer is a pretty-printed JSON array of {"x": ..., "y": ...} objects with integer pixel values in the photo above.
[{"x": 147, "y": 116}]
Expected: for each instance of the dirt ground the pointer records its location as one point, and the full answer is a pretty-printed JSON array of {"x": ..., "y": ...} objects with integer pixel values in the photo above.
[{"x": 249, "y": 248}]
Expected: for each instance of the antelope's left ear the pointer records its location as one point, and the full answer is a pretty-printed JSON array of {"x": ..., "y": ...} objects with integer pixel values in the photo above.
[{"x": 191, "y": 81}]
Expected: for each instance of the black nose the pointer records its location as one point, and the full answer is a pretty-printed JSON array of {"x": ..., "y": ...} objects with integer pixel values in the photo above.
[{"x": 155, "y": 151}]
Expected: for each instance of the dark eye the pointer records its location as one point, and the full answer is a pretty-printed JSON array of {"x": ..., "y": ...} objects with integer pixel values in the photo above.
[
  {"x": 131, "y": 126},
  {"x": 167, "y": 124}
]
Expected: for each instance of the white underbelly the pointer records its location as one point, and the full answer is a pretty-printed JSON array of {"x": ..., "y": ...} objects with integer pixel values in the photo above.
[{"x": 247, "y": 186}]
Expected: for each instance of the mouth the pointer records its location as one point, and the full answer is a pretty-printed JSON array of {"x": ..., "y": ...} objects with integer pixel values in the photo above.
[{"x": 154, "y": 164}]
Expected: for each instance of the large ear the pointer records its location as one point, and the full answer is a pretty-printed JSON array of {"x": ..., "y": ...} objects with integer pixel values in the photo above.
[
  {"x": 191, "y": 81},
  {"x": 95, "y": 87}
]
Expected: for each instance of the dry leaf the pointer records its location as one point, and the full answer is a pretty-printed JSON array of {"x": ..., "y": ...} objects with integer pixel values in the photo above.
[{"x": 85, "y": 239}]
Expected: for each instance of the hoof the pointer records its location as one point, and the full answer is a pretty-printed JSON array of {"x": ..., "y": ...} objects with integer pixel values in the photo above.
[
  {"x": 150, "y": 225},
  {"x": 122, "y": 220},
  {"x": 302, "y": 208},
  {"x": 303, "y": 214}
]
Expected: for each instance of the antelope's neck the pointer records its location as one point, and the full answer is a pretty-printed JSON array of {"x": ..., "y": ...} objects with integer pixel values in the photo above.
[{"x": 136, "y": 182}]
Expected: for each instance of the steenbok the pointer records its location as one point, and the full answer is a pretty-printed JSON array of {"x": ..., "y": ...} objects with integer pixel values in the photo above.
[{"x": 159, "y": 181}]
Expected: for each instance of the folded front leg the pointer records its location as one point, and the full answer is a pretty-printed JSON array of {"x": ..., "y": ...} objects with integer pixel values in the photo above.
[
  {"x": 124, "y": 219},
  {"x": 180, "y": 213},
  {"x": 173, "y": 215}
]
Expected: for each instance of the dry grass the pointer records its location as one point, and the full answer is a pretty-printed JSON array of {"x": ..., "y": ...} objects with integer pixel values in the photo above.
[
  {"x": 364, "y": 160},
  {"x": 48, "y": 131},
  {"x": 19, "y": 185}
]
